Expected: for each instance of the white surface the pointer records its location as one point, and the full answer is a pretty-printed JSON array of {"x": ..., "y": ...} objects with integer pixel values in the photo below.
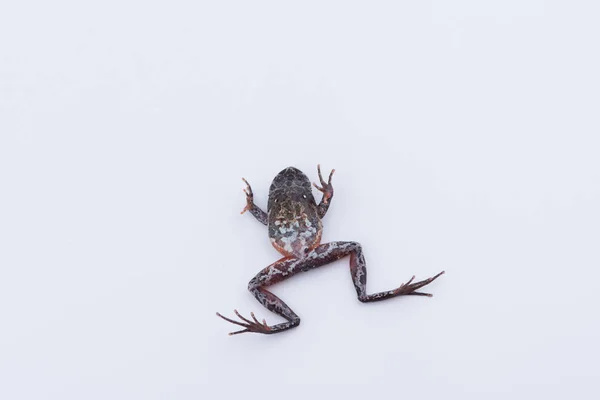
[{"x": 465, "y": 135}]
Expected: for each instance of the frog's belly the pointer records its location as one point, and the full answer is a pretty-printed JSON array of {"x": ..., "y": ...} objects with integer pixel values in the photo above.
[{"x": 296, "y": 242}]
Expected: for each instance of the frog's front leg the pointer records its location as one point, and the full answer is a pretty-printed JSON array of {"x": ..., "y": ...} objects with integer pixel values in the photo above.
[
  {"x": 259, "y": 214},
  {"x": 327, "y": 189}
]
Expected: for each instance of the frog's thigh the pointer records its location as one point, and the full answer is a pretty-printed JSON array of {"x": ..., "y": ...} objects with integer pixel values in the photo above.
[{"x": 289, "y": 266}]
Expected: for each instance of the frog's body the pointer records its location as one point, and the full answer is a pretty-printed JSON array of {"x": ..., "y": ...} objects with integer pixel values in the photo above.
[{"x": 294, "y": 223}]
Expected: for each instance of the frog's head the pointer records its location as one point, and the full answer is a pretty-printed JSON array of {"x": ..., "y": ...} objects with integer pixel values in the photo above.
[{"x": 290, "y": 185}]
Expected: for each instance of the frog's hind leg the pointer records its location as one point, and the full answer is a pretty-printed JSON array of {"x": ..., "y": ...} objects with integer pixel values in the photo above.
[
  {"x": 321, "y": 255},
  {"x": 272, "y": 274},
  {"x": 358, "y": 269}
]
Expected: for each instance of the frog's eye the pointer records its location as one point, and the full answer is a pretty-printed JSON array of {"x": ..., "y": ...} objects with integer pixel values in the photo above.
[{"x": 304, "y": 195}]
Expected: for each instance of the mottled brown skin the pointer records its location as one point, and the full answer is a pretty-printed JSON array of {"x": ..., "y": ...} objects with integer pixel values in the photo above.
[
  {"x": 294, "y": 223},
  {"x": 293, "y": 219}
]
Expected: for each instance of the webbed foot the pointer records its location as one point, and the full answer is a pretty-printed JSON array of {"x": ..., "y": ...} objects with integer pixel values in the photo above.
[
  {"x": 250, "y": 326},
  {"x": 410, "y": 288}
]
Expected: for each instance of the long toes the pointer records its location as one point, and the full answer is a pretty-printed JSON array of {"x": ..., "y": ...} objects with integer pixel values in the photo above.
[
  {"x": 241, "y": 317},
  {"x": 409, "y": 281},
  {"x": 254, "y": 318},
  {"x": 424, "y": 282},
  {"x": 420, "y": 294},
  {"x": 438, "y": 275},
  {"x": 321, "y": 180},
  {"x": 232, "y": 321},
  {"x": 238, "y": 332},
  {"x": 247, "y": 187},
  {"x": 428, "y": 280},
  {"x": 420, "y": 284}
]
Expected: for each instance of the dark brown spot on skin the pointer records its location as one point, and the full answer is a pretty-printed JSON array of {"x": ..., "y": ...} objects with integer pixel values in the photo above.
[
  {"x": 320, "y": 249},
  {"x": 280, "y": 267}
]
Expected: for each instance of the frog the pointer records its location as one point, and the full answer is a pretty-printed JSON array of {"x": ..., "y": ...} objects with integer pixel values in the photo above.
[{"x": 294, "y": 223}]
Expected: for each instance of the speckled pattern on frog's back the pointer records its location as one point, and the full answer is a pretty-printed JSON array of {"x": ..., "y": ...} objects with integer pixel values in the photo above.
[{"x": 294, "y": 224}]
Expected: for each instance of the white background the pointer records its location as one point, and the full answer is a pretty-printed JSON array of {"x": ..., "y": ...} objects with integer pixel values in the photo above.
[{"x": 465, "y": 135}]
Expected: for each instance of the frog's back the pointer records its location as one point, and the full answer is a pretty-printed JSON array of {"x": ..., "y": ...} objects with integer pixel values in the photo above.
[{"x": 294, "y": 224}]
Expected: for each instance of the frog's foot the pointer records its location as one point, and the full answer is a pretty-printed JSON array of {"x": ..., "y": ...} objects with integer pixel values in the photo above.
[
  {"x": 410, "y": 288},
  {"x": 325, "y": 187},
  {"x": 250, "y": 326},
  {"x": 249, "y": 197}
]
